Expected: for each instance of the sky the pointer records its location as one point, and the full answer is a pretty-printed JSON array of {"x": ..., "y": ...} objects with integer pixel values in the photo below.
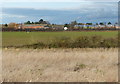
[{"x": 59, "y": 11}]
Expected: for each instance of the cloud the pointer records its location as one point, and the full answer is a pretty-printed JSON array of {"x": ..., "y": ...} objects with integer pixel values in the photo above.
[
  {"x": 85, "y": 12},
  {"x": 12, "y": 16}
]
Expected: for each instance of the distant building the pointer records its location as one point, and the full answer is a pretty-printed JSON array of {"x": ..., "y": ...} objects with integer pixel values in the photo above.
[
  {"x": 84, "y": 26},
  {"x": 35, "y": 27},
  {"x": 117, "y": 26}
]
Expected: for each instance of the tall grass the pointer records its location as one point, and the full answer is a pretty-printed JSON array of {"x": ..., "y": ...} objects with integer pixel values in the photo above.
[{"x": 60, "y": 65}]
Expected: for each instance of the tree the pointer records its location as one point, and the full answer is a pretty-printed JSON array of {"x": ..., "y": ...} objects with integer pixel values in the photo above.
[
  {"x": 96, "y": 23},
  {"x": 109, "y": 23},
  {"x": 28, "y": 22},
  {"x": 101, "y": 23},
  {"x": 36, "y": 22},
  {"x": 80, "y": 23},
  {"x": 88, "y": 23},
  {"x": 41, "y": 20},
  {"x": 6, "y": 25},
  {"x": 66, "y": 25},
  {"x": 32, "y": 22}
]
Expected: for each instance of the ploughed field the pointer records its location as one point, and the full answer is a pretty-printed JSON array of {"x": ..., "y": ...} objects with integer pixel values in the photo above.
[
  {"x": 26, "y": 38},
  {"x": 60, "y": 65}
]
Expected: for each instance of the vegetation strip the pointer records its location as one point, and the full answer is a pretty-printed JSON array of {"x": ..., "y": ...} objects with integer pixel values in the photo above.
[{"x": 80, "y": 42}]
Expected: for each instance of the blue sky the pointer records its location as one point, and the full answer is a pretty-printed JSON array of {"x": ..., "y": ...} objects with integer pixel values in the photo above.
[{"x": 60, "y": 12}]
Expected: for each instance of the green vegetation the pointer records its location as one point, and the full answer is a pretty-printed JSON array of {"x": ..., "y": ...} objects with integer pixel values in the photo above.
[
  {"x": 41, "y": 21},
  {"x": 80, "y": 42},
  {"x": 60, "y": 39},
  {"x": 79, "y": 66}
]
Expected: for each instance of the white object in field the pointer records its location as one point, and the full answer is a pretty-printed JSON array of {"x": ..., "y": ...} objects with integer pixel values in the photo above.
[{"x": 65, "y": 28}]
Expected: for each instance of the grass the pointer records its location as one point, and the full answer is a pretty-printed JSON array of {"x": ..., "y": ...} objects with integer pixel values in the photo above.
[
  {"x": 60, "y": 65},
  {"x": 23, "y": 38}
]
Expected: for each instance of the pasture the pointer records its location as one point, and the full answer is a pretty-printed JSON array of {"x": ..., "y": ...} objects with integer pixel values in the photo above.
[{"x": 24, "y": 38}]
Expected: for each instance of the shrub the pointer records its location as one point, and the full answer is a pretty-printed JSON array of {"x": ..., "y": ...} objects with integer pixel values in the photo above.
[
  {"x": 109, "y": 42},
  {"x": 95, "y": 41},
  {"x": 62, "y": 42},
  {"x": 82, "y": 42}
]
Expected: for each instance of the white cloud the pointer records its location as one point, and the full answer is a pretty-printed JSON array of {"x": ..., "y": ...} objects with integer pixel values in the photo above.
[
  {"x": 12, "y": 16},
  {"x": 83, "y": 6}
]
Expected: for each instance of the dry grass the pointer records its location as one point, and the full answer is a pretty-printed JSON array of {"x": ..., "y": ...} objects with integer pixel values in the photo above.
[
  {"x": 0, "y": 65},
  {"x": 60, "y": 65}
]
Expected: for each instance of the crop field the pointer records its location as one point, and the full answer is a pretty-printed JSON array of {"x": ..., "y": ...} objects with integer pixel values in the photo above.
[
  {"x": 60, "y": 65},
  {"x": 23, "y": 38}
]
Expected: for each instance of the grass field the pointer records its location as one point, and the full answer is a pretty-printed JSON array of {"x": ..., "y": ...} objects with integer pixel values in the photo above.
[{"x": 23, "y": 38}]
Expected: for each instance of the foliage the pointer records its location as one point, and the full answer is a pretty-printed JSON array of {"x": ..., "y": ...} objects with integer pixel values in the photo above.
[
  {"x": 101, "y": 23},
  {"x": 109, "y": 23},
  {"x": 28, "y": 22},
  {"x": 88, "y": 23},
  {"x": 41, "y": 21},
  {"x": 67, "y": 25},
  {"x": 6, "y": 25}
]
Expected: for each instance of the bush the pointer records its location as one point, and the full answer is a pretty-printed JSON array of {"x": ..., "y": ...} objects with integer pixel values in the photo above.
[
  {"x": 95, "y": 41},
  {"x": 109, "y": 42},
  {"x": 82, "y": 42},
  {"x": 62, "y": 42}
]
